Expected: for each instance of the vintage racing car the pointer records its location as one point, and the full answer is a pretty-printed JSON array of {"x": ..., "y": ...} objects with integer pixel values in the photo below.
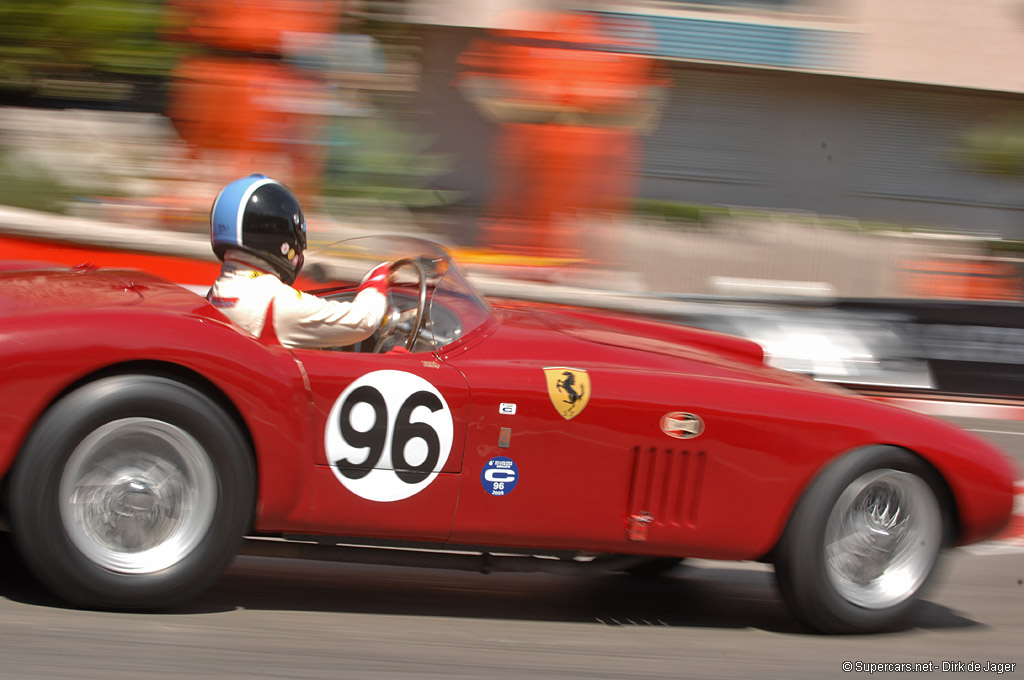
[{"x": 144, "y": 438}]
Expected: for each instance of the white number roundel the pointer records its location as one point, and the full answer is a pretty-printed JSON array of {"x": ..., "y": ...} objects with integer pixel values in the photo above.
[{"x": 388, "y": 435}]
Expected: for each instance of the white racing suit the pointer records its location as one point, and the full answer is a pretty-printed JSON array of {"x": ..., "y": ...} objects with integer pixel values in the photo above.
[{"x": 246, "y": 288}]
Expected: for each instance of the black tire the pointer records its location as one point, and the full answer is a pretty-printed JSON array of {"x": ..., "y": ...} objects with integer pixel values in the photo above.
[
  {"x": 843, "y": 592},
  {"x": 655, "y": 566},
  {"x": 132, "y": 492}
]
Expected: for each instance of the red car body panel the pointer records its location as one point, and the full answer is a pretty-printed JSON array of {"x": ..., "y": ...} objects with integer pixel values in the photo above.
[
  {"x": 726, "y": 494},
  {"x": 582, "y": 483},
  {"x": 425, "y": 516},
  {"x": 61, "y": 336}
]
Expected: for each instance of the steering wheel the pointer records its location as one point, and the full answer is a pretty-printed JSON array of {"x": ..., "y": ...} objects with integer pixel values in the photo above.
[{"x": 395, "y": 319}]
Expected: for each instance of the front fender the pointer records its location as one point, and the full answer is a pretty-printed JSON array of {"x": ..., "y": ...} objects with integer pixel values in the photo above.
[{"x": 763, "y": 444}]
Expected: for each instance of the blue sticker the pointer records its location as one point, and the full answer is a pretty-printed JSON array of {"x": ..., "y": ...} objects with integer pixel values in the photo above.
[{"x": 499, "y": 476}]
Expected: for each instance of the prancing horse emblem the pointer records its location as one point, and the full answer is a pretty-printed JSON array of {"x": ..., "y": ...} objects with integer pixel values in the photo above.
[{"x": 569, "y": 389}]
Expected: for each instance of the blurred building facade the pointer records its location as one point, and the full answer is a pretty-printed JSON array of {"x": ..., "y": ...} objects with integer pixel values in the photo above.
[{"x": 871, "y": 109}]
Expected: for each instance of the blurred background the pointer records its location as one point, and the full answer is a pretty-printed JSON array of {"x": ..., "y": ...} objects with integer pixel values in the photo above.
[{"x": 841, "y": 180}]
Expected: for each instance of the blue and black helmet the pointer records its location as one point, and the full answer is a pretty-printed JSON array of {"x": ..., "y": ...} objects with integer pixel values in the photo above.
[{"x": 261, "y": 216}]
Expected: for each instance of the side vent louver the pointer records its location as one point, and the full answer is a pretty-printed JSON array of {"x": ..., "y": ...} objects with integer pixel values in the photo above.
[{"x": 666, "y": 485}]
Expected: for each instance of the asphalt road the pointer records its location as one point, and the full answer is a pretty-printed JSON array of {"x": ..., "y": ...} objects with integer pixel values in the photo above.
[{"x": 272, "y": 618}]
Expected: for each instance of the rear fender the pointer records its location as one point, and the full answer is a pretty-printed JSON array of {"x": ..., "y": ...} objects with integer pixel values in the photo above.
[{"x": 263, "y": 385}]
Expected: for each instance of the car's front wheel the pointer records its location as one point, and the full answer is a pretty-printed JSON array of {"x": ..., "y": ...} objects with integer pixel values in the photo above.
[
  {"x": 863, "y": 542},
  {"x": 131, "y": 492}
]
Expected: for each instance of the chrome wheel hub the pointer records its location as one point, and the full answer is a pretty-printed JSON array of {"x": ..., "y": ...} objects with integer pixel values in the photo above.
[
  {"x": 137, "y": 495},
  {"x": 882, "y": 538}
]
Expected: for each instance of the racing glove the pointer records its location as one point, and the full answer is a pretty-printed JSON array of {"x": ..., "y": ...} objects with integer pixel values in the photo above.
[{"x": 377, "y": 278}]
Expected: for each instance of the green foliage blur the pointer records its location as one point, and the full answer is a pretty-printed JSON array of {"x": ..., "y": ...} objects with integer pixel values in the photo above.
[
  {"x": 379, "y": 159},
  {"x": 995, "y": 147},
  {"x": 31, "y": 186},
  {"x": 81, "y": 49},
  {"x": 115, "y": 54}
]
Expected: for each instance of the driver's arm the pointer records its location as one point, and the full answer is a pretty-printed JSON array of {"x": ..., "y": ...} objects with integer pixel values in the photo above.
[{"x": 306, "y": 321}]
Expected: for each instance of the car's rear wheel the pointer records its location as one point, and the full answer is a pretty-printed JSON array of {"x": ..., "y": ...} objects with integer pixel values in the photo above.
[
  {"x": 863, "y": 542},
  {"x": 132, "y": 492}
]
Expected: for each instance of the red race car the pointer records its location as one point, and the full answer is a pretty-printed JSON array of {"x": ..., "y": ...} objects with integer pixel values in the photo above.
[{"x": 144, "y": 438}]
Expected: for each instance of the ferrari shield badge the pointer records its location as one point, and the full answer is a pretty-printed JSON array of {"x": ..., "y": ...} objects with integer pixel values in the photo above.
[{"x": 569, "y": 389}]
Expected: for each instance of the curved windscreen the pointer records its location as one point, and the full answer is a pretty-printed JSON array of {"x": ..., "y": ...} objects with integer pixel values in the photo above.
[{"x": 454, "y": 308}]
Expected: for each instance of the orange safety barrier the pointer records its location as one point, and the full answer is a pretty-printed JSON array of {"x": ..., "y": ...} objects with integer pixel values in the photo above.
[
  {"x": 239, "y": 103},
  {"x": 570, "y": 111},
  {"x": 251, "y": 109},
  {"x": 962, "y": 278},
  {"x": 249, "y": 25}
]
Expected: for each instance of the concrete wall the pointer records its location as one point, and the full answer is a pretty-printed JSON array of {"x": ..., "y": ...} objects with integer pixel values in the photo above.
[
  {"x": 873, "y": 141},
  {"x": 976, "y": 44},
  {"x": 869, "y": 150},
  {"x": 954, "y": 43}
]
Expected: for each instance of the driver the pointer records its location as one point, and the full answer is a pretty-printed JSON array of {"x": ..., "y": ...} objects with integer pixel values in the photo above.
[{"x": 257, "y": 229}]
